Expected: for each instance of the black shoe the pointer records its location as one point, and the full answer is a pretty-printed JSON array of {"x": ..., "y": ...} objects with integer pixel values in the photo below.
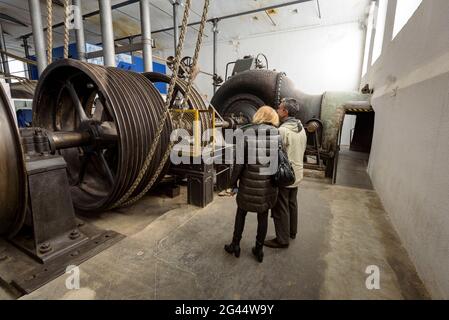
[
  {"x": 275, "y": 244},
  {"x": 233, "y": 249},
  {"x": 293, "y": 236},
  {"x": 258, "y": 252}
]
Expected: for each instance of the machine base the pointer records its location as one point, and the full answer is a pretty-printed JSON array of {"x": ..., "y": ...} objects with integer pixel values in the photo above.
[
  {"x": 21, "y": 271},
  {"x": 200, "y": 182}
]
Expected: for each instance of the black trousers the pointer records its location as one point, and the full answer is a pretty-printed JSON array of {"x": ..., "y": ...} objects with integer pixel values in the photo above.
[
  {"x": 262, "y": 226},
  {"x": 285, "y": 214}
]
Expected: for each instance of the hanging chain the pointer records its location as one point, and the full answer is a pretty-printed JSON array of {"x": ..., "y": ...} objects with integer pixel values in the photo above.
[
  {"x": 170, "y": 93},
  {"x": 66, "y": 28},
  {"x": 49, "y": 31}
]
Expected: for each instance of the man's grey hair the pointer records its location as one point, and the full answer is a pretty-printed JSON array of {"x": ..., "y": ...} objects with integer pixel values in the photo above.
[{"x": 291, "y": 105}]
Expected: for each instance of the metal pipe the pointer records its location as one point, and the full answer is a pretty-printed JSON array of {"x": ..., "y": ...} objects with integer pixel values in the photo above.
[
  {"x": 175, "y": 25},
  {"x": 147, "y": 51},
  {"x": 234, "y": 15},
  {"x": 38, "y": 35},
  {"x": 107, "y": 32},
  {"x": 129, "y": 2},
  {"x": 319, "y": 8},
  {"x": 26, "y": 48},
  {"x": 215, "y": 31},
  {"x": 131, "y": 42},
  {"x": 4, "y": 56},
  {"x": 79, "y": 31},
  {"x": 68, "y": 139},
  {"x": 90, "y": 14}
]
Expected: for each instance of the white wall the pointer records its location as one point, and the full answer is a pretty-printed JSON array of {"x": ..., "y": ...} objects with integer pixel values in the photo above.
[
  {"x": 348, "y": 126},
  {"x": 318, "y": 59},
  {"x": 409, "y": 163}
]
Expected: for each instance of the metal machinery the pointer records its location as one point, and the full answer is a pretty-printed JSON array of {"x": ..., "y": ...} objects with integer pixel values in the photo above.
[
  {"x": 247, "y": 63},
  {"x": 322, "y": 115},
  {"x": 36, "y": 212},
  {"x": 196, "y": 119},
  {"x": 93, "y": 127}
]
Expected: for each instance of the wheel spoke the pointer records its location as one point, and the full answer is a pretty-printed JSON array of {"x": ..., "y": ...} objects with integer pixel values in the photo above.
[
  {"x": 83, "y": 167},
  {"x": 98, "y": 113},
  {"x": 105, "y": 166},
  {"x": 76, "y": 101}
]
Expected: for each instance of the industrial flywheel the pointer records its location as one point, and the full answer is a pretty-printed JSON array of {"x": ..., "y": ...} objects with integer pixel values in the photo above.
[{"x": 13, "y": 182}]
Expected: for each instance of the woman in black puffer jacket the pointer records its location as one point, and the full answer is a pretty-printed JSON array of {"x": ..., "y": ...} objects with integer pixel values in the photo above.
[{"x": 256, "y": 193}]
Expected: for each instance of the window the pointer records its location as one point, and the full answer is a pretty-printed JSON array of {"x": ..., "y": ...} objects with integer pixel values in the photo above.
[
  {"x": 16, "y": 68},
  {"x": 100, "y": 60},
  {"x": 380, "y": 29},
  {"x": 369, "y": 35},
  {"x": 404, "y": 11}
]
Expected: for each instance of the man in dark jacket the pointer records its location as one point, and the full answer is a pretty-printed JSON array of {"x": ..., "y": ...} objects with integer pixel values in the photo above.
[
  {"x": 294, "y": 140},
  {"x": 256, "y": 193}
]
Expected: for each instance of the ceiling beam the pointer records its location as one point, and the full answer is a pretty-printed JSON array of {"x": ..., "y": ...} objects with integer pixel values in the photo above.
[
  {"x": 88, "y": 15},
  {"x": 234, "y": 15},
  {"x": 129, "y": 2},
  {"x": 4, "y": 16}
]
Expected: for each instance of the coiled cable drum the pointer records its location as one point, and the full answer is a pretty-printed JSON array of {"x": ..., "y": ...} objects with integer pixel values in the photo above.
[{"x": 124, "y": 104}]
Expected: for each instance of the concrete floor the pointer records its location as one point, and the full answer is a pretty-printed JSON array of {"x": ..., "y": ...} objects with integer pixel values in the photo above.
[
  {"x": 351, "y": 169},
  {"x": 175, "y": 251}
]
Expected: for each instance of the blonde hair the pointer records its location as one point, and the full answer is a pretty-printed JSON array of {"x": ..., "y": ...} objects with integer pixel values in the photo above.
[{"x": 266, "y": 114}]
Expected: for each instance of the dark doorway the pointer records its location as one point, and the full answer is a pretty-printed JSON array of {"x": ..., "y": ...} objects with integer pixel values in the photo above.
[{"x": 353, "y": 159}]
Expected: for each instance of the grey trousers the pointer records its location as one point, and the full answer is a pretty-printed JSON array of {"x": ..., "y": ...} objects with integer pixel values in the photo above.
[{"x": 285, "y": 214}]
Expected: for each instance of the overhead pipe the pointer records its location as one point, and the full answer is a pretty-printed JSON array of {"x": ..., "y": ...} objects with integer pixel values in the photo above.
[
  {"x": 3, "y": 55},
  {"x": 79, "y": 31},
  {"x": 107, "y": 32},
  {"x": 230, "y": 16},
  {"x": 175, "y": 24},
  {"x": 26, "y": 48},
  {"x": 146, "y": 35},
  {"x": 91, "y": 14},
  {"x": 131, "y": 51},
  {"x": 129, "y": 2},
  {"x": 38, "y": 35},
  {"x": 215, "y": 32},
  {"x": 319, "y": 8}
]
